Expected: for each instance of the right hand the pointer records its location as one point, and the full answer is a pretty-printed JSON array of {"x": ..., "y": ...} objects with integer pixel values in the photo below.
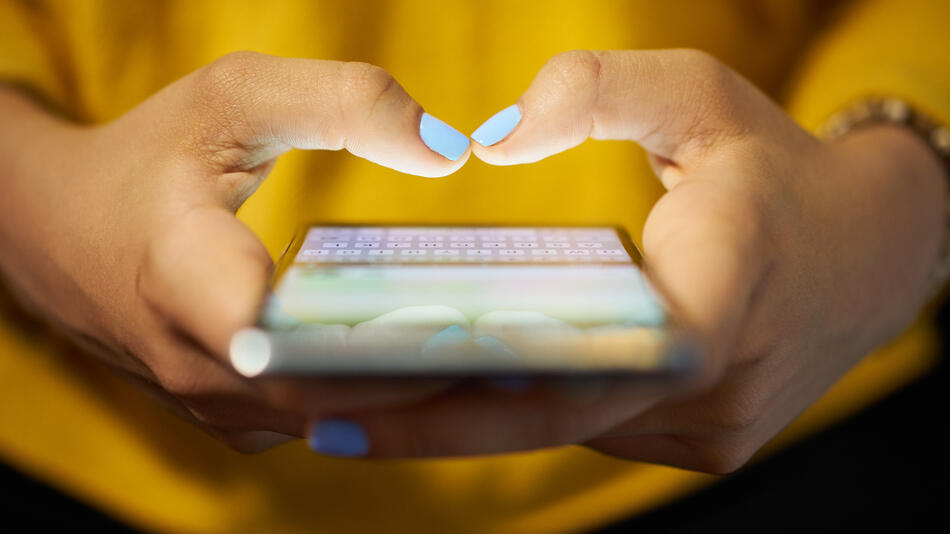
[{"x": 124, "y": 234}]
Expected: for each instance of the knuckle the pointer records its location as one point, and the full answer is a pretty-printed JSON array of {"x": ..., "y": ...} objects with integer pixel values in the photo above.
[
  {"x": 365, "y": 84},
  {"x": 222, "y": 95},
  {"x": 575, "y": 69},
  {"x": 365, "y": 78},
  {"x": 229, "y": 72},
  {"x": 361, "y": 88},
  {"x": 716, "y": 98},
  {"x": 717, "y": 79}
]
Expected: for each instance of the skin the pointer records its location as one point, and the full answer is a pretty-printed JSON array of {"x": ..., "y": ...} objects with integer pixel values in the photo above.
[{"x": 790, "y": 258}]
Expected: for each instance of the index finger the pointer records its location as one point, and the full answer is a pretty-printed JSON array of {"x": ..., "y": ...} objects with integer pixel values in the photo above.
[
  {"x": 669, "y": 101},
  {"x": 244, "y": 109}
]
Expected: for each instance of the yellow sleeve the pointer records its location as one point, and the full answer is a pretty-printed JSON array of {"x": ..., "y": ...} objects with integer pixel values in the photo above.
[
  {"x": 877, "y": 48},
  {"x": 28, "y": 52}
]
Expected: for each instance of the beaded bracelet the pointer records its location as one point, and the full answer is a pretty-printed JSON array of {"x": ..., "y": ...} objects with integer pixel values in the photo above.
[{"x": 896, "y": 111}]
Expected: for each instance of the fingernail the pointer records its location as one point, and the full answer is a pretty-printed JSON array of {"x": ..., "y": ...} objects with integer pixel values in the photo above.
[
  {"x": 338, "y": 437},
  {"x": 442, "y": 138},
  {"x": 495, "y": 346},
  {"x": 498, "y": 126},
  {"x": 451, "y": 336}
]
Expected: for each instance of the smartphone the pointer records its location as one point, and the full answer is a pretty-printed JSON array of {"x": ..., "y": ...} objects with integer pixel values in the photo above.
[{"x": 461, "y": 300}]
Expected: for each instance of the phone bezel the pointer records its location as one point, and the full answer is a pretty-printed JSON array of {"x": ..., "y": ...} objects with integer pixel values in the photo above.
[{"x": 676, "y": 328}]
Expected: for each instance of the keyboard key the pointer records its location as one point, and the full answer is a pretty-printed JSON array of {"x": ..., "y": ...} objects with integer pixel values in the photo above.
[{"x": 481, "y": 244}]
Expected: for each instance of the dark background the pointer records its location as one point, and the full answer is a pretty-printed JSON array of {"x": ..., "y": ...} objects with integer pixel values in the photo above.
[{"x": 885, "y": 468}]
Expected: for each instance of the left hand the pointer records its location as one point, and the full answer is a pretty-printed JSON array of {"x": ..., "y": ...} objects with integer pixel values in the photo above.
[{"x": 772, "y": 243}]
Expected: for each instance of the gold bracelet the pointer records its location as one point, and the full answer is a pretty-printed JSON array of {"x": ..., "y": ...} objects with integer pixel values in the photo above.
[{"x": 889, "y": 110}]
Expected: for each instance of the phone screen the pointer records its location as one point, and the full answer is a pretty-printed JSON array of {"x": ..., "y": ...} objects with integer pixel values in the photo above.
[{"x": 469, "y": 300}]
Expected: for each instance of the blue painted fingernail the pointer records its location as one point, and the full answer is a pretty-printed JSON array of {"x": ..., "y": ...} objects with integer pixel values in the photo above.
[
  {"x": 442, "y": 138},
  {"x": 447, "y": 338},
  {"x": 338, "y": 437},
  {"x": 498, "y": 126}
]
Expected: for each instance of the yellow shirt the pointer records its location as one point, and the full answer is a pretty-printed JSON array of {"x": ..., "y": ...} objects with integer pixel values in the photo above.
[{"x": 74, "y": 425}]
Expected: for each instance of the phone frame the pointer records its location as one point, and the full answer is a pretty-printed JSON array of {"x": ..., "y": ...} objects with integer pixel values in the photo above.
[{"x": 682, "y": 364}]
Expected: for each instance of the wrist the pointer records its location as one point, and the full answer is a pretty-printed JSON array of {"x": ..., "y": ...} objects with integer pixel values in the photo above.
[
  {"x": 40, "y": 166},
  {"x": 893, "y": 196}
]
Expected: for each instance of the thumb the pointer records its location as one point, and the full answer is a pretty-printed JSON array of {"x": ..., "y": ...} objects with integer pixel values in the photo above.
[
  {"x": 206, "y": 273},
  {"x": 704, "y": 249}
]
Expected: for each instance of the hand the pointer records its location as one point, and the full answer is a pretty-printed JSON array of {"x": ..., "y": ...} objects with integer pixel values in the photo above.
[
  {"x": 125, "y": 234},
  {"x": 791, "y": 259}
]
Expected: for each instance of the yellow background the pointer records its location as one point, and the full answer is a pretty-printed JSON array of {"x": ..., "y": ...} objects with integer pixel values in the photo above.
[{"x": 71, "y": 423}]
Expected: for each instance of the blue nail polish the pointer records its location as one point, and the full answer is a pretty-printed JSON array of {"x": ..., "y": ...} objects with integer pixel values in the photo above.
[
  {"x": 498, "y": 126},
  {"x": 338, "y": 437},
  {"x": 442, "y": 138},
  {"x": 449, "y": 337}
]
